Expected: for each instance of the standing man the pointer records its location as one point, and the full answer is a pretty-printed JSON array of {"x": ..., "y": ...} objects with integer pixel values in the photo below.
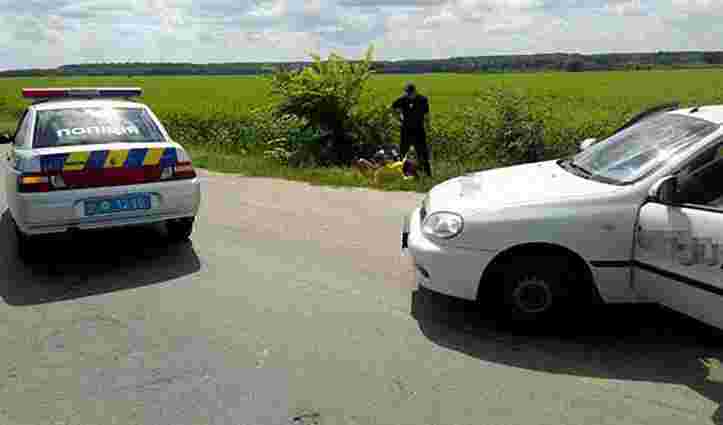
[{"x": 413, "y": 109}]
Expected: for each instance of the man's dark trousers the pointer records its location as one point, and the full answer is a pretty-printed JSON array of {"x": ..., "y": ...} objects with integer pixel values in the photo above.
[{"x": 418, "y": 139}]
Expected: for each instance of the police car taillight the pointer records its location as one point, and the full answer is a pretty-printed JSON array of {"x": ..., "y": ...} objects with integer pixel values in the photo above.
[
  {"x": 81, "y": 92},
  {"x": 33, "y": 183},
  {"x": 184, "y": 170}
]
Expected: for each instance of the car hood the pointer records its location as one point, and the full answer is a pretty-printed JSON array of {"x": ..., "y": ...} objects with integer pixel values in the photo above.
[{"x": 525, "y": 184}]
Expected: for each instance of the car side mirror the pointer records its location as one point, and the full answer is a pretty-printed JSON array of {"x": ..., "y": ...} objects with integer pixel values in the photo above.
[
  {"x": 587, "y": 143},
  {"x": 5, "y": 139},
  {"x": 664, "y": 190}
]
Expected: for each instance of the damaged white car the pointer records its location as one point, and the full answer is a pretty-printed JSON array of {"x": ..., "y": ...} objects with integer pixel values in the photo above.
[{"x": 634, "y": 218}]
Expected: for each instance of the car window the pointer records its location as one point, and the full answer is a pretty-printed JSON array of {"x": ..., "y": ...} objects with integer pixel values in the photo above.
[
  {"x": 21, "y": 140},
  {"x": 94, "y": 125},
  {"x": 643, "y": 147},
  {"x": 700, "y": 181}
]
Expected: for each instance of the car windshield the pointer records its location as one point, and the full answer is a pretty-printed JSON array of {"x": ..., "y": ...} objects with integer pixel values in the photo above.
[
  {"x": 95, "y": 125},
  {"x": 641, "y": 148}
]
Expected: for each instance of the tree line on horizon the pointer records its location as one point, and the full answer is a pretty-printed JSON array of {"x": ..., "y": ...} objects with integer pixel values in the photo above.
[{"x": 474, "y": 64}]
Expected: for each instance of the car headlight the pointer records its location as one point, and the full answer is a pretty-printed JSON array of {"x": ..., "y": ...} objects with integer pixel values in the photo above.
[{"x": 444, "y": 225}]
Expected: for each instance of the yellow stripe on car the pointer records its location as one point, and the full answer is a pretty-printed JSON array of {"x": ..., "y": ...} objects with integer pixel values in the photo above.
[
  {"x": 116, "y": 158},
  {"x": 153, "y": 156},
  {"x": 76, "y": 161}
]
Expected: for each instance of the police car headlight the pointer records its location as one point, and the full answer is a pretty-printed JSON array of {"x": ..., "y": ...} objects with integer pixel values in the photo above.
[{"x": 444, "y": 225}]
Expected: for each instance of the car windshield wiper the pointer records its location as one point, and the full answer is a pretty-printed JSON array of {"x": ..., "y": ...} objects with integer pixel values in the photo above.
[{"x": 586, "y": 173}]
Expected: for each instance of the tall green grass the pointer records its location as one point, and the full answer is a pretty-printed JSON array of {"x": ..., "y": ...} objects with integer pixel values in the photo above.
[{"x": 214, "y": 114}]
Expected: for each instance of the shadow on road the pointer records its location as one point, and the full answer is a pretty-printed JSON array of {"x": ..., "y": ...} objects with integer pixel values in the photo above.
[
  {"x": 90, "y": 263},
  {"x": 635, "y": 342}
]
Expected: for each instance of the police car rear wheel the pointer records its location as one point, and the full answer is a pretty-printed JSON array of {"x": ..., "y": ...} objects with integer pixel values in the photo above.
[
  {"x": 180, "y": 230},
  {"x": 24, "y": 244}
]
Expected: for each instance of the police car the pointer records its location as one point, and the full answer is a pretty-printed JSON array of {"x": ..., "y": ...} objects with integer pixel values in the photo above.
[
  {"x": 634, "y": 218},
  {"x": 89, "y": 158}
]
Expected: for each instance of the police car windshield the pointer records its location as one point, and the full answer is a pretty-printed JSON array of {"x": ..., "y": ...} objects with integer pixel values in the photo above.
[
  {"x": 94, "y": 125},
  {"x": 640, "y": 149}
]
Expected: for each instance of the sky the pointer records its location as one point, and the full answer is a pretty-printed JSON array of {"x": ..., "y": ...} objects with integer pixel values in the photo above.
[{"x": 49, "y": 33}]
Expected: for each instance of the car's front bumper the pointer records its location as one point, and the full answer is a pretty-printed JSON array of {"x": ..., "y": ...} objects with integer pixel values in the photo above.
[
  {"x": 449, "y": 270},
  {"x": 54, "y": 212}
]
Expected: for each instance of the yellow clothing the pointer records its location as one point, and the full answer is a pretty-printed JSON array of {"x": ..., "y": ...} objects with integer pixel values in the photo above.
[{"x": 389, "y": 172}]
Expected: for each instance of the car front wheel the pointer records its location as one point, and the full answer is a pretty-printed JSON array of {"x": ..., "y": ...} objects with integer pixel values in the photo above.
[
  {"x": 179, "y": 230},
  {"x": 538, "y": 288}
]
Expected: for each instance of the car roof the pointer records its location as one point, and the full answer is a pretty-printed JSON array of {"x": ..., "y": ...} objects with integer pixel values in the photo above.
[
  {"x": 712, "y": 113},
  {"x": 85, "y": 103}
]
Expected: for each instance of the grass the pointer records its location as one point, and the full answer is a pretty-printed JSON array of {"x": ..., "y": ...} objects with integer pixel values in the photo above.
[
  {"x": 258, "y": 166},
  {"x": 574, "y": 106}
]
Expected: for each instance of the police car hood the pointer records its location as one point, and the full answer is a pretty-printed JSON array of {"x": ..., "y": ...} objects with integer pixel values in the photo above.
[{"x": 527, "y": 184}]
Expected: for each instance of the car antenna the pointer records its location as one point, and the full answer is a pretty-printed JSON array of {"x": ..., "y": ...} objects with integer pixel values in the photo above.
[{"x": 694, "y": 110}]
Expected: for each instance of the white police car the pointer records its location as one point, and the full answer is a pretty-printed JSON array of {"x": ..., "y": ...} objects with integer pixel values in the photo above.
[
  {"x": 634, "y": 218},
  {"x": 89, "y": 158}
]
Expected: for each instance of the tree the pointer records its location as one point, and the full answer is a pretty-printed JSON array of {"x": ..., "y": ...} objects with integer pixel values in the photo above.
[{"x": 324, "y": 94}]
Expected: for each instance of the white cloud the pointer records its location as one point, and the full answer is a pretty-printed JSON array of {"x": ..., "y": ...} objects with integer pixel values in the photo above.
[
  {"x": 623, "y": 8},
  {"x": 698, "y": 7},
  {"x": 38, "y": 33}
]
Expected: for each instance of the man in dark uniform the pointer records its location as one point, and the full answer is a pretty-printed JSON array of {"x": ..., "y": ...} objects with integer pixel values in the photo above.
[{"x": 414, "y": 116}]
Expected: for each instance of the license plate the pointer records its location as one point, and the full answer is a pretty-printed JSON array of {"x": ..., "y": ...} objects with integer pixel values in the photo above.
[{"x": 120, "y": 204}]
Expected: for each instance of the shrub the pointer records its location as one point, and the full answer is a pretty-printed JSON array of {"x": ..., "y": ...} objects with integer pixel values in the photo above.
[
  {"x": 372, "y": 122},
  {"x": 518, "y": 134},
  {"x": 325, "y": 96},
  {"x": 300, "y": 147}
]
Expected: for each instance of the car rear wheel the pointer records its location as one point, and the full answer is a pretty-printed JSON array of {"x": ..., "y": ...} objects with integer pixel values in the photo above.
[
  {"x": 538, "y": 288},
  {"x": 25, "y": 244},
  {"x": 179, "y": 230}
]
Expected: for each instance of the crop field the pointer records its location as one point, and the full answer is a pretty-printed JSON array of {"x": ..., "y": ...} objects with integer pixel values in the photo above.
[
  {"x": 573, "y": 95},
  {"x": 200, "y": 110}
]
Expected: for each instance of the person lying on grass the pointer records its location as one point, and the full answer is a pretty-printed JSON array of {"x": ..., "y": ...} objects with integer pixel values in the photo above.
[{"x": 386, "y": 166}]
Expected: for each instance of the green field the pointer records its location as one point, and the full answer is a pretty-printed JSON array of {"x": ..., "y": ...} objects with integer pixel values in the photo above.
[
  {"x": 572, "y": 94},
  {"x": 574, "y": 105}
]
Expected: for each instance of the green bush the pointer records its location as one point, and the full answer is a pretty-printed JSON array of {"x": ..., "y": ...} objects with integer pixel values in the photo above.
[
  {"x": 517, "y": 132},
  {"x": 300, "y": 147},
  {"x": 326, "y": 95},
  {"x": 241, "y": 132},
  {"x": 373, "y": 122}
]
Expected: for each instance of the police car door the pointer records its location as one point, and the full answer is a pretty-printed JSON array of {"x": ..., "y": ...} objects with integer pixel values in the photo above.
[{"x": 679, "y": 244}]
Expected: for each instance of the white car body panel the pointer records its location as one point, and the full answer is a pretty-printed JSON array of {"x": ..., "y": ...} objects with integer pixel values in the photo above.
[
  {"x": 43, "y": 213},
  {"x": 541, "y": 203},
  {"x": 686, "y": 243},
  {"x": 61, "y": 210},
  {"x": 592, "y": 219}
]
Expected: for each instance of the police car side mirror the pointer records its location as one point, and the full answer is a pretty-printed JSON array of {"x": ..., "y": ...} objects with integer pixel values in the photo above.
[
  {"x": 664, "y": 190},
  {"x": 587, "y": 143},
  {"x": 5, "y": 139}
]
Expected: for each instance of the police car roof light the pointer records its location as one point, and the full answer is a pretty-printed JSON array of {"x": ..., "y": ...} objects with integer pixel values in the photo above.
[{"x": 49, "y": 93}]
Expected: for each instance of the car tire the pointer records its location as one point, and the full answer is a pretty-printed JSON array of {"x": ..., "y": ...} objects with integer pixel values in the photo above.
[
  {"x": 179, "y": 230},
  {"x": 538, "y": 288},
  {"x": 25, "y": 244}
]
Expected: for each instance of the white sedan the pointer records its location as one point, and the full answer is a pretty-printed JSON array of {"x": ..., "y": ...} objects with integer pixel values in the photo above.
[
  {"x": 88, "y": 159},
  {"x": 634, "y": 218}
]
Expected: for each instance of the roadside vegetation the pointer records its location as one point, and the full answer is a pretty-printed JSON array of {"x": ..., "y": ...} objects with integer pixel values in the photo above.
[{"x": 307, "y": 125}]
